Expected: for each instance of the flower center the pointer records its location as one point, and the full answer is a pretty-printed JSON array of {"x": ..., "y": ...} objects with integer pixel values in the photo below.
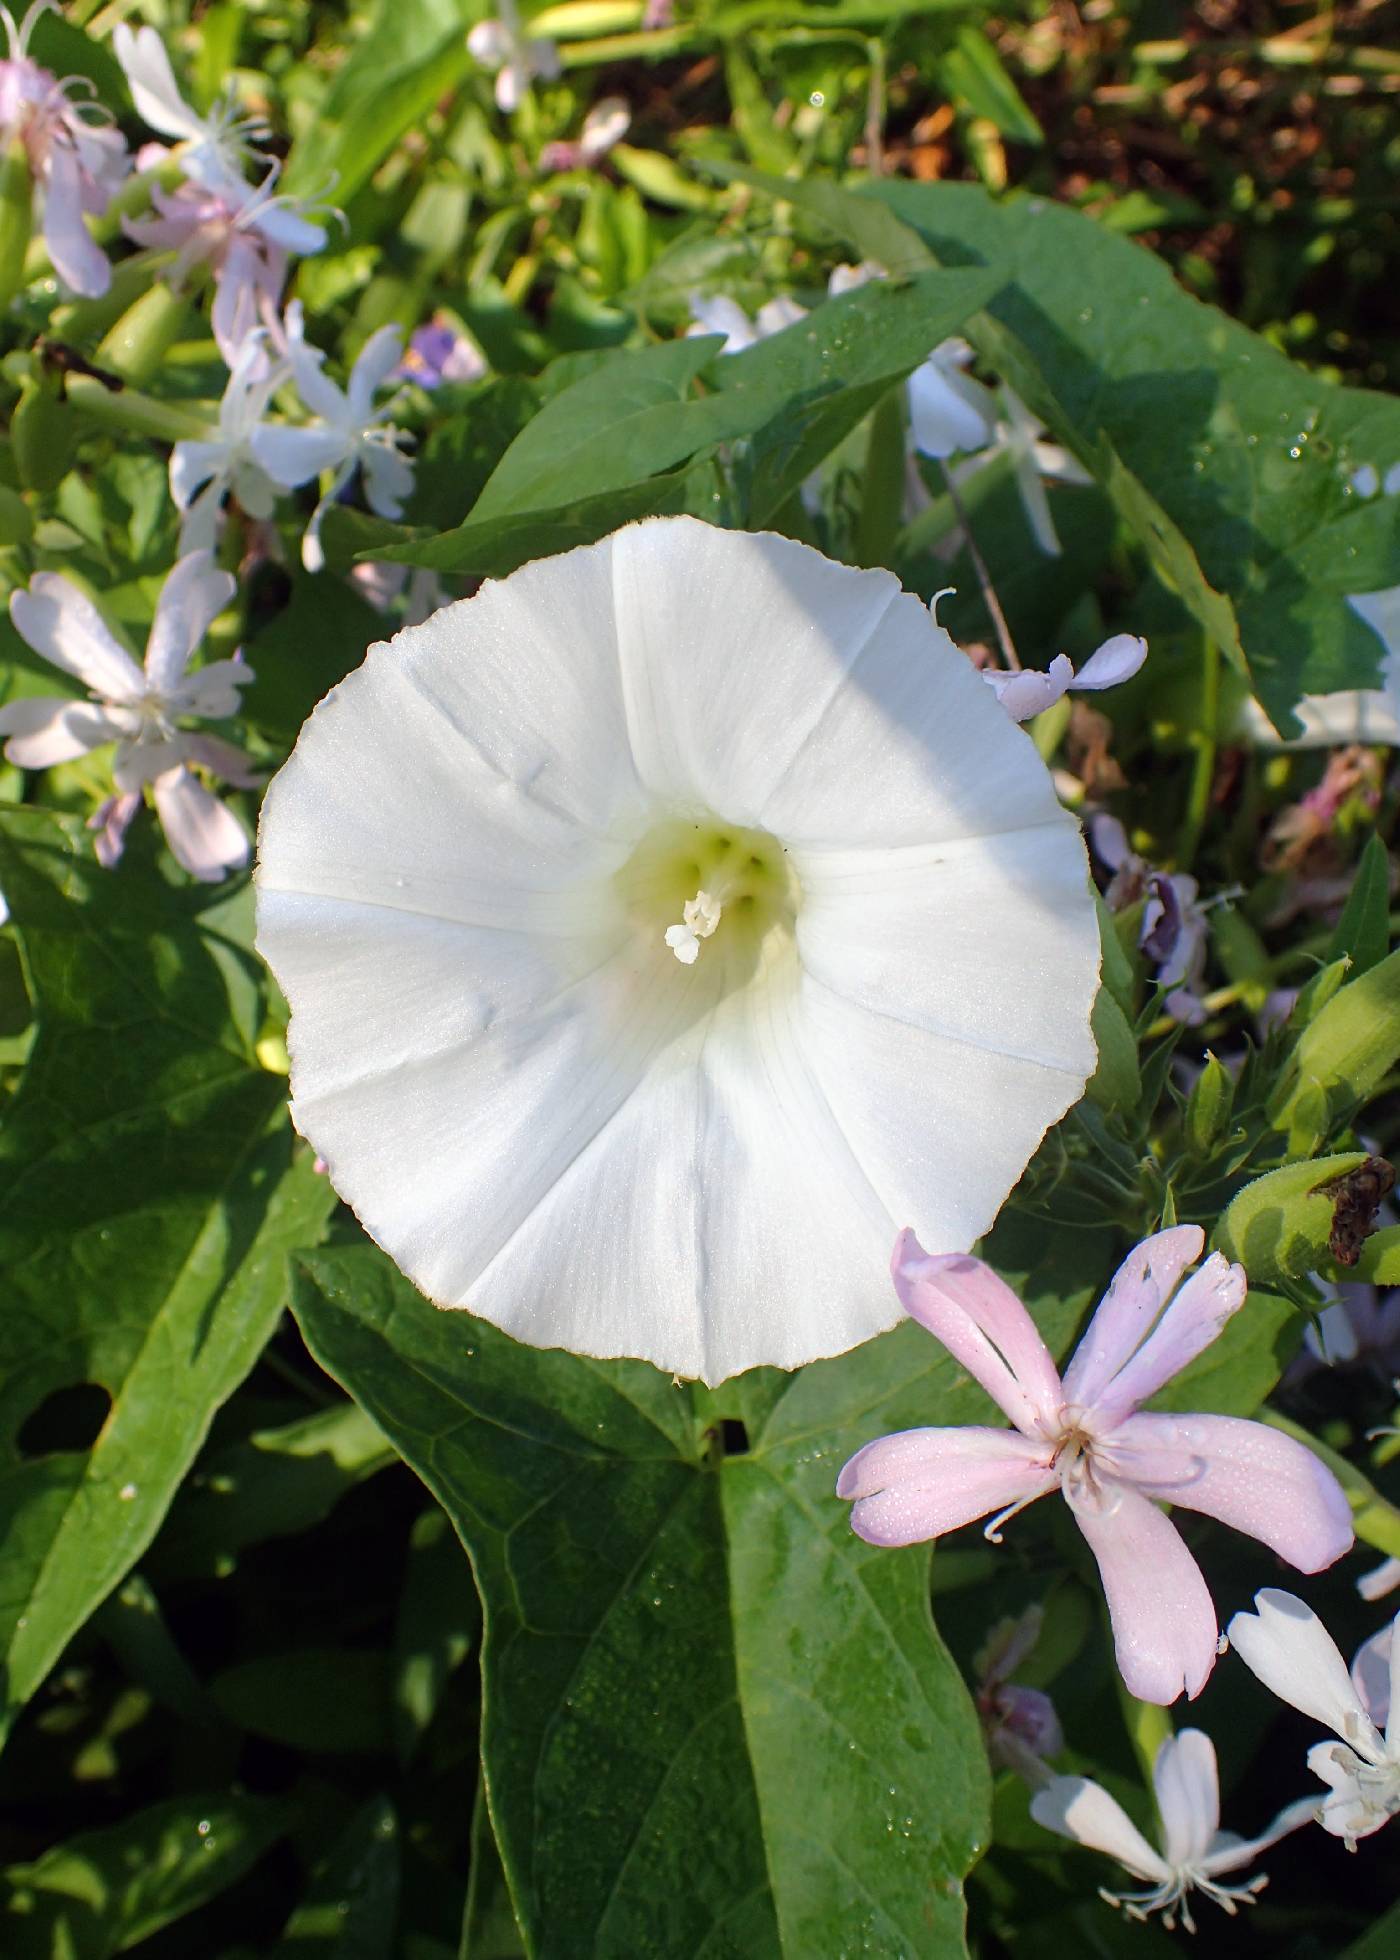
[{"x": 711, "y": 892}]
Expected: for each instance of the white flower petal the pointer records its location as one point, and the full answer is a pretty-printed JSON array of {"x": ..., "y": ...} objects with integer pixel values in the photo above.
[
  {"x": 377, "y": 360},
  {"x": 152, "y": 82},
  {"x": 1187, "y": 1785},
  {"x": 292, "y": 457},
  {"x": 1036, "y": 505},
  {"x": 1117, "y": 660},
  {"x": 193, "y": 596},
  {"x": 1287, "y": 1646},
  {"x": 1371, "y": 1667},
  {"x": 63, "y": 625},
  {"x": 947, "y": 412},
  {"x": 44, "y": 731},
  {"x": 193, "y": 464},
  {"x": 1084, "y": 1811}
]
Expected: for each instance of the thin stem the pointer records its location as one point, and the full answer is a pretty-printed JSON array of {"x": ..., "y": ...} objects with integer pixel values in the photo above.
[
  {"x": 1009, "y": 656},
  {"x": 875, "y": 111},
  {"x": 1203, "y": 773}
]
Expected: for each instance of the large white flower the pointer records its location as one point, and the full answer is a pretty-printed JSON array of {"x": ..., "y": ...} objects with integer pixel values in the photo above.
[{"x": 695, "y": 1147}]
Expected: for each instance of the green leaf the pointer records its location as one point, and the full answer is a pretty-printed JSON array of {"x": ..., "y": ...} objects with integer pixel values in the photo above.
[
  {"x": 414, "y": 53},
  {"x": 149, "y": 1194},
  {"x": 974, "y": 74},
  {"x": 1106, "y": 347},
  {"x": 297, "y": 658},
  {"x": 496, "y": 546},
  {"x": 617, "y": 424},
  {"x": 490, "y": 1930},
  {"x": 678, "y": 1639},
  {"x": 276, "y": 1483},
  {"x": 1362, "y": 933},
  {"x": 1116, "y": 1082},
  {"x": 324, "y": 1700},
  {"x": 350, "y": 1910},
  {"x": 105, "y": 1891}
]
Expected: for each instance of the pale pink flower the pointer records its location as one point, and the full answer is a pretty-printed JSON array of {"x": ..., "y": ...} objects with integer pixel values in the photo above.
[
  {"x": 74, "y": 157},
  {"x": 245, "y": 233},
  {"x": 1086, "y": 1436},
  {"x": 140, "y": 710},
  {"x": 1031, "y": 692},
  {"x": 1380, "y": 1580},
  {"x": 1195, "y": 1852},
  {"x": 1287, "y": 1646}
]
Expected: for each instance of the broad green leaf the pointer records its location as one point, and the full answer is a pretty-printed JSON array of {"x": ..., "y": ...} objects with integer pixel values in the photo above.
[
  {"x": 1106, "y": 347},
  {"x": 1242, "y": 1365},
  {"x": 678, "y": 1637},
  {"x": 414, "y": 52},
  {"x": 807, "y": 387},
  {"x": 300, "y": 654},
  {"x": 1362, "y": 933},
  {"x": 490, "y": 1930},
  {"x": 105, "y": 1891},
  {"x": 615, "y": 425},
  {"x": 350, "y": 1910},
  {"x": 149, "y": 1194},
  {"x": 1116, "y": 1082},
  {"x": 495, "y": 546},
  {"x": 1381, "y": 1942},
  {"x": 276, "y": 1483}
]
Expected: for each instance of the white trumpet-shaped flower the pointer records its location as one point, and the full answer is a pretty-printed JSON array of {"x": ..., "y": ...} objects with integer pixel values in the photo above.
[
  {"x": 1196, "y": 1854},
  {"x": 1287, "y": 1646},
  {"x": 553, "y": 1108}
]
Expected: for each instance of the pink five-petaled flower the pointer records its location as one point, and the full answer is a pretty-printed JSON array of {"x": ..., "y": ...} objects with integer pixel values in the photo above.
[
  {"x": 140, "y": 710},
  {"x": 1085, "y": 1436},
  {"x": 77, "y": 158}
]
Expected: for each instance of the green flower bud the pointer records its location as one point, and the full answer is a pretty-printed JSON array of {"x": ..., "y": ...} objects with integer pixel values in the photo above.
[
  {"x": 16, "y": 523},
  {"x": 137, "y": 345},
  {"x": 1209, "y": 1107},
  {"x": 42, "y": 434}
]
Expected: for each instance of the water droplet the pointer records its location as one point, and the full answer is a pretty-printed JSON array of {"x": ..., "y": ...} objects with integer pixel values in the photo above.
[
  {"x": 126, "y": 1493},
  {"x": 204, "y": 1827},
  {"x": 817, "y": 99}
]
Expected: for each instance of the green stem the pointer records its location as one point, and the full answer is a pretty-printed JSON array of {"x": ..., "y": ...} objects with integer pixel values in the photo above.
[
  {"x": 1203, "y": 774},
  {"x": 125, "y": 408}
]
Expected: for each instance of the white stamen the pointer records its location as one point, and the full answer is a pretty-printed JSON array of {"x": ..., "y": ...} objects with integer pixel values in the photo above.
[{"x": 701, "y": 915}]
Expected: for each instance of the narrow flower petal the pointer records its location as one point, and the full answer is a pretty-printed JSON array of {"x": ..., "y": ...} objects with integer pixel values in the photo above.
[
  {"x": 375, "y": 362},
  {"x": 1228, "y": 1853},
  {"x": 1164, "y": 1624},
  {"x": 984, "y": 1326},
  {"x": 945, "y": 417},
  {"x": 1187, "y": 1784},
  {"x": 77, "y": 258},
  {"x": 1287, "y": 1646},
  {"x": 1036, "y": 505},
  {"x": 152, "y": 82},
  {"x": 63, "y": 625},
  {"x": 191, "y": 599},
  {"x": 44, "y": 731},
  {"x": 1357, "y": 1806},
  {"x": 1245, "y": 1474},
  {"x": 1130, "y": 1307},
  {"x": 1380, "y": 1580},
  {"x": 204, "y": 837},
  {"x": 1371, "y": 1668},
  {"x": 1115, "y": 661},
  {"x": 1082, "y": 1810},
  {"x": 1194, "y": 1318},
  {"x": 922, "y": 1482}
]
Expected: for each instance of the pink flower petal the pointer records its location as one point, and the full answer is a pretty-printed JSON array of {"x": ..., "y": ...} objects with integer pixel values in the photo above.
[
  {"x": 63, "y": 625},
  {"x": 1127, "y": 1311},
  {"x": 1187, "y": 1783},
  {"x": 1192, "y": 1321},
  {"x": 1245, "y": 1474},
  {"x": 920, "y": 1483},
  {"x": 1372, "y": 1666},
  {"x": 43, "y": 731},
  {"x": 203, "y": 836},
  {"x": 984, "y": 1326},
  {"x": 1164, "y": 1624},
  {"x": 191, "y": 599},
  {"x": 1030, "y": 692},
  {"x": 77, "y": 258},
  {"x": 1116, "y": 660}
]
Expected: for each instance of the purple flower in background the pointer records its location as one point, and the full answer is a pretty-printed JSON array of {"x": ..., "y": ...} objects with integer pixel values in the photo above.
[
  {"x": 1020, "y": 1723},
  {"x": 73, "y": 156},
  {"x": 439, "y": 352},
  {"x": 1174, "y": 931},
  {"x": 1086, "y": 1436}
]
